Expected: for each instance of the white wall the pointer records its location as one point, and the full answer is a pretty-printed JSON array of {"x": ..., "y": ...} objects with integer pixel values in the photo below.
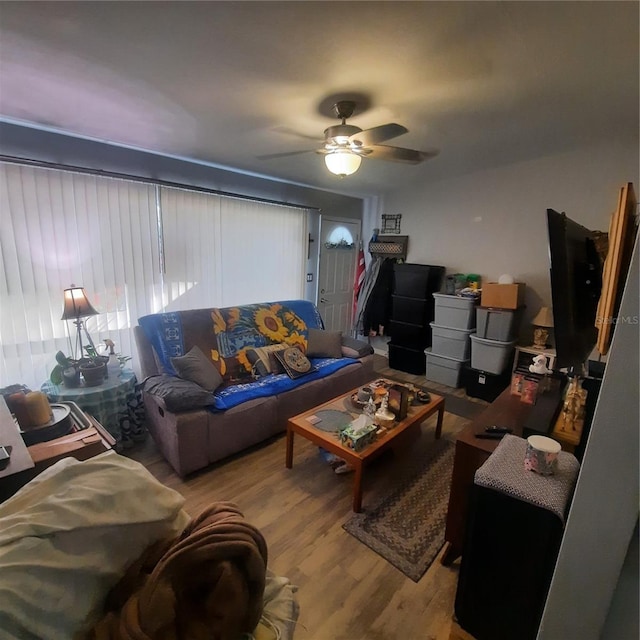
[{"x": 494, "y": 222}]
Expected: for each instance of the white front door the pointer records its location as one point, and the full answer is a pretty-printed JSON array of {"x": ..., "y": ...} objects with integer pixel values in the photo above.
[{"x": 339, "y": 241}]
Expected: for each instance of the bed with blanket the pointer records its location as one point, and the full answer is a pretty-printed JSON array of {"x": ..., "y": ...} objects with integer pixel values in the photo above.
[
  {"x": 219, "y": 380},
  {"x": 101, "y": 550}
]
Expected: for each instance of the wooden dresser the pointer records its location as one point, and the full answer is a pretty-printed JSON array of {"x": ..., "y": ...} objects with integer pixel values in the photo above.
[{"x": 470, "y": 454}]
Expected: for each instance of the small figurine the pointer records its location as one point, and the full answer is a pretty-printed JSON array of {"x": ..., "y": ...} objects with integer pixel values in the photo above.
[
  {"x": 539, "y": 366},
  {"x": 384, "y": 417},
  {"x": 573, "y": 409},
  {"x": 370, "y": 408}
]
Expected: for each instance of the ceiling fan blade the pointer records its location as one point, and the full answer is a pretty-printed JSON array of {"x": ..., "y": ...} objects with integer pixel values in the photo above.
[
  {"x": 284, "y": 154},
  {"x": 399, "y": 154},
  {"x": 375, "y": 135}
]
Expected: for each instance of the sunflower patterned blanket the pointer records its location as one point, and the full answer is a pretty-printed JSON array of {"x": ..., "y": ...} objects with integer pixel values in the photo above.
[{"x": 225, "y": 334}]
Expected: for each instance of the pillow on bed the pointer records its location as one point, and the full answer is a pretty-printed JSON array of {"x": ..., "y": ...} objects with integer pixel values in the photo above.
[
  {"x": 178, "y": 394},
  {"x": 68, "y": 536},
  {"x": 196, "y": 367},
  {"x": 294, "y": 362},
  {"x": 324, "y": 344}
]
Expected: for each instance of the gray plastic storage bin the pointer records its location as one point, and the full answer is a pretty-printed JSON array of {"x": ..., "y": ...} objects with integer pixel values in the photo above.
[
  {"x": 444, "y": 370},
  {"x": 498, "y": 324},
  {"x": 491, "y": 356},
  {"x": 452, "y": 343},
  {"x": 455, "y": 312}
]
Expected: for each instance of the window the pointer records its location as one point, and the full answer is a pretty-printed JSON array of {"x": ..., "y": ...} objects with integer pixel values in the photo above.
[
  {"x": 340, "y": 238},
  {"x": 137, "y": 249}
]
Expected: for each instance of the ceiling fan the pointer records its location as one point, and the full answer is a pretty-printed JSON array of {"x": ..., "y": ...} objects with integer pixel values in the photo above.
[{"x": 345, "y": 145}]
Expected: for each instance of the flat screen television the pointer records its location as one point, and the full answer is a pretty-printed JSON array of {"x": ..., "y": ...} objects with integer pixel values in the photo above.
[{"x": 576, "y": 284}]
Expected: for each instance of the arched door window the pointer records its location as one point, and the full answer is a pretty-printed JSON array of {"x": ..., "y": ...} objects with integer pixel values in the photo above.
[{"x": 339, "y": 238}]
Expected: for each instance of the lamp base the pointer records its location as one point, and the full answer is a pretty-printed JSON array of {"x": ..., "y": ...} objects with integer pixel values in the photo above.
[{"x": 540, "y": 337}]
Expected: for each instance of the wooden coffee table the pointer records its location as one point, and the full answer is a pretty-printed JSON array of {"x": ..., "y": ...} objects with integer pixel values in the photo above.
[{"x": 358, "y": 460}]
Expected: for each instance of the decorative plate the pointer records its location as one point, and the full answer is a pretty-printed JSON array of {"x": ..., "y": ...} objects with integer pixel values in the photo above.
[{"x": 332, "y": 420}]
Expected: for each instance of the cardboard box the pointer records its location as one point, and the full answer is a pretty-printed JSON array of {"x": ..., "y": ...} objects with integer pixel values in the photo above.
[{"x": 502, "y": 296}]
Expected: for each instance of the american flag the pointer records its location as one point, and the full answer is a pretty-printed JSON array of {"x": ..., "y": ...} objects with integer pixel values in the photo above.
[{"x": 357, "y": 285}]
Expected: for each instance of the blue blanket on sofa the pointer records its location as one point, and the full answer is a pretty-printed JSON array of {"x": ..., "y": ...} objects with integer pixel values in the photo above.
[
  {"x": 238, "y": 393},
  {"x": 226, "y": 333}
]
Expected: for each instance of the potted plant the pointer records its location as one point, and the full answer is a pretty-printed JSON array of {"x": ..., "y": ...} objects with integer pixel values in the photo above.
[
  {"x": 67, "y": 371},
  {"x": 95, "y": 370}
]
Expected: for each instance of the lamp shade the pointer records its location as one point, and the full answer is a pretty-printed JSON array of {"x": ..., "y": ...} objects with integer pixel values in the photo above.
[
  {"x": 76, "y": 304},
  {"x": 544, "y": 318},
  {"x": 342, "y": 162}
]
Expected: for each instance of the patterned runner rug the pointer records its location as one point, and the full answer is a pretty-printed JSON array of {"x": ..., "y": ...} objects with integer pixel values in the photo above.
[{"x": 406, "y": 525}]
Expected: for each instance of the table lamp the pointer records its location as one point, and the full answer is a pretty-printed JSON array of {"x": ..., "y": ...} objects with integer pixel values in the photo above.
[
  {"x": 542, "y": 323},
  {"x": 77, "y": 307}
]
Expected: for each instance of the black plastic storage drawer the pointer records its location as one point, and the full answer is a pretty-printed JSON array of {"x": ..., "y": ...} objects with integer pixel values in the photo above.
[
  {"x": 413, "y": 310},
  {"x": 416, "y": 280},
  {"x": 407, "y": 359},
  {"x": 483, "y": 385},
  {"x": 406, "y": 333}
]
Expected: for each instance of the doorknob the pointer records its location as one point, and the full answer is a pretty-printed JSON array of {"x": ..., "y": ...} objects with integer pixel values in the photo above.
[{"x": 323, "y": 300}]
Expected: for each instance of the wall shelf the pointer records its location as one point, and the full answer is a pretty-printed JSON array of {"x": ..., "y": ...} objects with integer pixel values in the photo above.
[{"x": 390, "y": 247}]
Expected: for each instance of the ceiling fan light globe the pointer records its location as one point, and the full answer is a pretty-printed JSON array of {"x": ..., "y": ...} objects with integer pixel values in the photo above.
[{"x": 342, "y": 162}]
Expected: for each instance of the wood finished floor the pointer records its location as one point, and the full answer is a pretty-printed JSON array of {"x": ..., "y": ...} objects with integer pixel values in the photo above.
[{"x": 345, "y": 590}]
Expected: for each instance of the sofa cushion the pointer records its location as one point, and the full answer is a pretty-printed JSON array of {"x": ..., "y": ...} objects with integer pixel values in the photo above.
[
  {"x": 324, "y": 344},
  {"x": 354, "y": 348},
  {"x": 294, "y": 362},
  {"x": 196, "y": 367},
  {"x": 178, "y": 394}
]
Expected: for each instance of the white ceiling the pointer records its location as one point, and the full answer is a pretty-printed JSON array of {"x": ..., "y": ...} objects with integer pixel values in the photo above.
[{"x": 486, "y": 83}]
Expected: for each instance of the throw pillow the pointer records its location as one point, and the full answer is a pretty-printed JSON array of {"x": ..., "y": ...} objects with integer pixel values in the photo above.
[
  {"x": 262, "y": 360},
  {"x": 196, "y": 367},
  {"x": 295, "y": 363},
  {"x": 178, "y": 394},
  {"x": 354, "y": 348},
  {"x": 324, "y": 344}
]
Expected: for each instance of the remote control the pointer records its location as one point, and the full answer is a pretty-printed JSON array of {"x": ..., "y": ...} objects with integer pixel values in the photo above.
[
  {"x": 495, "y": 429},
  {"x": 490, "y": 436}
]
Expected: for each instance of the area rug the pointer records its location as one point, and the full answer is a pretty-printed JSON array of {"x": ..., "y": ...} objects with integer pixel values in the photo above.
[{"x": 406, "y": 525}]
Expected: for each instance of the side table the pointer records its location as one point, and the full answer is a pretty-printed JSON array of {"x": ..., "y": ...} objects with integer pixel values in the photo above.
[
  {"x": 26, "y": 463},
  {"x": 116, "y": 404}
]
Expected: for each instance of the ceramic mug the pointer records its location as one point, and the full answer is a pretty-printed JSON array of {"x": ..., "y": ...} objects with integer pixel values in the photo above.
[
  {"x": 364, "y": 394},
  {"x": 541, "y": 455}
]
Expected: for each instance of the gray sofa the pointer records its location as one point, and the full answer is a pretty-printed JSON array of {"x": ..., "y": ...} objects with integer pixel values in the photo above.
[{"x": 192, "y": 434}]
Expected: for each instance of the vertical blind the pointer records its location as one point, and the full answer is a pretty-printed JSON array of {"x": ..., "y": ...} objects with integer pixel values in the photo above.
[{"x": 136, "y": 249}]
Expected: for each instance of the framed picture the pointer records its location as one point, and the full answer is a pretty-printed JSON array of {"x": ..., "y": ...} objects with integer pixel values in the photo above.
[
  {"x": 398, "y": 401},
  {"x": 391, "y": 223}
]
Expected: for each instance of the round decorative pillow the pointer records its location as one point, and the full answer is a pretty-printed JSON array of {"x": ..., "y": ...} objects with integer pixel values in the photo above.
[
  {"x": 295, "y": 363},
  {"x": 295, "y": 359}
]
